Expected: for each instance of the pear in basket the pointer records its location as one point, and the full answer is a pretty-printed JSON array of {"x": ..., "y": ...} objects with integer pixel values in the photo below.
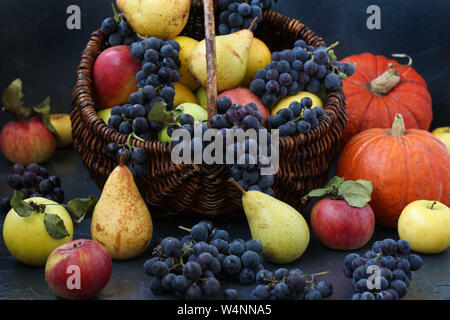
[
  {"x": 156, "y": 18},
  {"x": 232, "y": 57}
]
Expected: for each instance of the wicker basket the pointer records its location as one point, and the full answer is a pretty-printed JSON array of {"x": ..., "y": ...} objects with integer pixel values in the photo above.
[{"x": 205, "y": 190}]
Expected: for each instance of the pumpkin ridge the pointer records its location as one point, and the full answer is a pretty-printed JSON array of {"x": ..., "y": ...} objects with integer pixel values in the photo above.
[
  {"x": 360, "y": 128},
  {"x": 388, "y": 110},
  {"x": 411, "y": 81},
  {"x": 355, "y": 93},
  {"x": 408, "y": 109}
]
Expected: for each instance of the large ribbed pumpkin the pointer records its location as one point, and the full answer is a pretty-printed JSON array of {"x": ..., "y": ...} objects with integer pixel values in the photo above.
[
  {"x": 379, "y": 89},
  {"x": 403, "y": 165}
]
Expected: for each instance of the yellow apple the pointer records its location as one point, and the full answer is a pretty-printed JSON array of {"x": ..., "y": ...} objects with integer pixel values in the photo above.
[
  {"x": 426, "y": 226},
  {"x": 27, "y": 238},
  {"x": 105, "y": 114},
  {"x": 63, "y": 126},
  {"x": 193, "y": 109},
  {"x": 443, "y": 134},
  {"x": 187, "y": 45},
  {"x": 284, "y": 103},
  {"x": 182, "y": 95},
  {"x": 258, "y": 58}
]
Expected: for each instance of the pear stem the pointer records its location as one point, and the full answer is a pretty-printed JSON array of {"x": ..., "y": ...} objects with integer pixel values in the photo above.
[
  {"x": 238, "y": 186},
  {"x": 122, "y": 159},
  {"x": 211, "y": 58},
  {"x": 252, "y": 26}
]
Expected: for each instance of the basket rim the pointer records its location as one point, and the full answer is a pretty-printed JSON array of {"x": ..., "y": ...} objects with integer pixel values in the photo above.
[{"x": 89, "y": 111}]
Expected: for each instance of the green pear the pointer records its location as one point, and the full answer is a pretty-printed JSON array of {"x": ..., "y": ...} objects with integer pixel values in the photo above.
[
  {"x": 201, "y": 95},
  {"x": 121, "y": 220},
  {"x": 232, "y": 57},
  {"x": 281, "y": 229}
]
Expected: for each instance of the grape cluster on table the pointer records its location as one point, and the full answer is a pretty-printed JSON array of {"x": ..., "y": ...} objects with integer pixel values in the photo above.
[
  {"x": 235, "y": 15},
  {"x": 300, "y": 117},
  {"x": 33, "y": 181},
  {"x": 395, "y": 263},
  {"x": 193, "y": 267},
  {"x": 302, "y": 68},
  {"x": 119, "y": 32},
  {"x": 231, "y": 117}
]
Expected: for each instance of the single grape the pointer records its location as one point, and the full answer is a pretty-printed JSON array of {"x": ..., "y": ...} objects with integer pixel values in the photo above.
[
  {"x": 250, "y": 259},
  {"x": 400, "y": 287},
  {"x": 231, "y": 294},
  {"x": 261, "y": 292},
  {"x": 109, "y": 25},
  {"x": 232, "y": 265},
  {"x": 403, "y": 247},
  {"x": 332, "y": 81},
  {"x": 194, "y": 292},
  {"x": 246, "y": 276},
  {"x": 192, "y": 270},
  {"x": 388, "y": 247},
  {"x": 281, "y": 273},
  {"x": 236, "y": 248},
  {"x": 18, "y": 169},
  {"x": 415, "y": 262},
  {"x": 159, "y": 269}
]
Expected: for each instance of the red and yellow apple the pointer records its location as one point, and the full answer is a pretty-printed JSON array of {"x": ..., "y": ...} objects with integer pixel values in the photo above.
[
  {"x": 27, "y": 142},
  {"x": 79, "y": 269},
  {"x": 443, "y": 134},
  {"x": 341, "y": 226},
  {"x": 426, "y": 226},
  {"x": 114, "y": 77},
  {"x": 244, "y": 96}
]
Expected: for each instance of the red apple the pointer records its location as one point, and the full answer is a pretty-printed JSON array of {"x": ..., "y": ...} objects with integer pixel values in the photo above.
[
  {"x": 244, "y": 96},
  {"x": 78, "y": 269},
  {"x": 115, "y": 76},
  {"x": 27, "y": 142},
  {"x": 341, "y": 226}
]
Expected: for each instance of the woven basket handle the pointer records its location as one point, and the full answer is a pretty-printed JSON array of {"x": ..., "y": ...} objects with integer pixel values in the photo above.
[{"x": 211, "y": 58}]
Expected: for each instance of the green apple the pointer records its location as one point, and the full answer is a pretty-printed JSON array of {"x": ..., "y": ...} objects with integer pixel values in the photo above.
[
  {"x": 426, "y": 226},
  {"x": 201, "y": 97},
  {"x": 193, "y": 109},
  {"x": 105, "y": 114},
  {"x": 27, "y": 238}
]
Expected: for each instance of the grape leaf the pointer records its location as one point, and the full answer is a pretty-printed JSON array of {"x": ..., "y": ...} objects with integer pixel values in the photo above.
[
  {"x": 55, "y": 226},
  {"x": 12, "y": 99},
  {"x": 81, "y": 209},
  {"x": 22, "y": 208},
  {"x": 158, "y": 112},
  {"x": 356, "y": 193}
]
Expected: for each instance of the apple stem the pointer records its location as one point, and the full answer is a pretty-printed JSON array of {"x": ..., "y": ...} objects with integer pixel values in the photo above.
[
  {"x": 432, "y": 206},
  {"x": 238, "y": 186}
]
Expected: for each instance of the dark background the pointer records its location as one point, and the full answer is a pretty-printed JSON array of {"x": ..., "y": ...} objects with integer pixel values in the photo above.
[{"x": 37, "y": 47}]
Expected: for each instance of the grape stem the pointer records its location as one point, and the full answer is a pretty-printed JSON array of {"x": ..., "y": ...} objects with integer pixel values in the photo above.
[
  {"x": 334, "y": 45},
  {"x": 184, "y": 228}
]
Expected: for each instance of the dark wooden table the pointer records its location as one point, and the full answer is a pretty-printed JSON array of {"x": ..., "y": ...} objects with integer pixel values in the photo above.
[{"x": 129, "y": 282}]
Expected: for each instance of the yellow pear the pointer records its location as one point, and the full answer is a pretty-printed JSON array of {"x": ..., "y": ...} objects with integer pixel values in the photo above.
[
  {"x": 258, "y": 58},
  {"x": 121, "y": 220},
  {"x": 187, "y": 45},
  {"x": 281, "y": 229},
  {"x": 183, "y": 95},
  {"x": 163, "y": 19},
  {"x": 232, "y": 57}
]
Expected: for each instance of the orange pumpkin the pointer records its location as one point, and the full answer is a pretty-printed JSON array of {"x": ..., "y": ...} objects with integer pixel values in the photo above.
[
  {"x": 403, "y": 165},
  {"x": 379, "y": 89}
]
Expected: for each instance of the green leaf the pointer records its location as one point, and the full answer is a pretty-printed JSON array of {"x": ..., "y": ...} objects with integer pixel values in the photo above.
[
  {"x": 158, "y": 112},
  {"x": 336, "y": 181},
  {"x": 81, "y": 208},
  {"x": 12, "y": 99},
  {"x": 332, "y": 56},
  {"x": 55, "y": 226},
  {"x": 356, "y": 193},
  {"x": 43, "y": 109},
  {"x": 22, "y": 208}
]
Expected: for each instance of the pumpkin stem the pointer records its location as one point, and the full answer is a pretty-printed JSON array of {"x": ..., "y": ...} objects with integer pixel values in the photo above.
[
  {"x": 389, "y": 79},
  {"x": 398, "y": 127}
]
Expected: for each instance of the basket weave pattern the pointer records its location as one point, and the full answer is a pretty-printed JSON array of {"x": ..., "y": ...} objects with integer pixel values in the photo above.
[{"x": 205, "y": 189}]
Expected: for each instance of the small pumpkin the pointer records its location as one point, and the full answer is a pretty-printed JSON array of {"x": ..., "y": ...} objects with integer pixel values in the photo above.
[
  {"x": 379, "y": 89},
  {"x": 403, "y": 165}
]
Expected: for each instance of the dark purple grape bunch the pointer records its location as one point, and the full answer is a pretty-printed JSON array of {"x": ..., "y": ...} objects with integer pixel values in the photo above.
[
  {"x": 119, "y": 31},
  {"x": 192, "y": 267},
  {"x": 299, "y": 117},
  {"x": 302, "y": 68},
  {"x": 33, "y": 181},
  {"x": 284, "y": 284},
  {"x": 160, "y": 63},
  {"x": 246, "y": 170},
  {"x": 395, "y": 264},
  {"x": 136, "y": 159}
]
